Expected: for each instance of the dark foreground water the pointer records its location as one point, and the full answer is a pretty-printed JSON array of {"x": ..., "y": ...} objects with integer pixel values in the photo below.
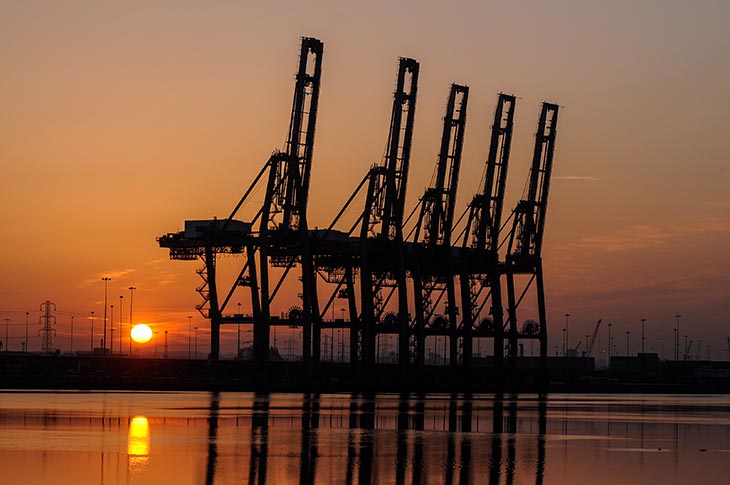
[{"x": 230, "y": 438}]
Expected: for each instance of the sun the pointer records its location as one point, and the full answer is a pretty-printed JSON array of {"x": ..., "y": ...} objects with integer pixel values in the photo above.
[{"x": 141, "y": 333}]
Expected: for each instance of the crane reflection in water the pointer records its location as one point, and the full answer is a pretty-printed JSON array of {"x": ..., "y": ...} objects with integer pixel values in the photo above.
[
  {"x": 384, "y": 444},
  {"x": 280, "y": 438}
]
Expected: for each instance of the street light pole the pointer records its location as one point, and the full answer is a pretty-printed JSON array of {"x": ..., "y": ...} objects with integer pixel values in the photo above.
[
  {"x": 238, "y": 342},
  {"x": 643, "y": 321},
  {"x": 131, "y": 302},
  {"x": 111, "y": 330},
  {"x": 567, "y": 333},
  {"x": 676, "y": 337},
  {"x": 196, "y": 342},
  {"x": 106, "y": 286},
  {"x": 190, "y": 335},
  {"x": 610, "y": 353},
  {"x": 627, "y": 343},
  {"x": 92, "y": 332},
  {"x": 72, "y": 334},
  {"x": 165, "y": 356},
  {"x": 121, "y": 327},
  {"x": 27, "y": 314}
]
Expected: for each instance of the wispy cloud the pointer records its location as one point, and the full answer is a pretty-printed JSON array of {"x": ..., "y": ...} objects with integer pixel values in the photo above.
[
  {"x": 156, "y": 261},
  {"x": 645, "y": 236},
  {"x": 114, "y": 274},
  {"x": 626, "y": 239},
  {"x": 678, "y": 291},
  {"x": 707, "y": 225},
  {"x": 577, "y": 177}
]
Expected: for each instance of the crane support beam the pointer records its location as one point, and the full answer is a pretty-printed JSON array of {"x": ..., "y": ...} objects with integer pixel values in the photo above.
[
  {"x": 527, "y": 236},
  {"x": 524, "y": 250},
  {"x": 479, "y": 261},
  {"x": 432, "y": 267},
  {"x": 371, "y": 263},
  {"x": 300, "y": 144},
  {"x": 381, "y": 234}
]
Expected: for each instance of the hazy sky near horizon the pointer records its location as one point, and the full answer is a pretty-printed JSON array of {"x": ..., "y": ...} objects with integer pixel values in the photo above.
[{"x": 120, "y": 120}]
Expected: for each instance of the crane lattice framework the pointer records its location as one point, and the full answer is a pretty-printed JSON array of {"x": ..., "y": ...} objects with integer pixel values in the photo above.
[
  {"x": 431, "y": 253},
  {"x": 283, "y": 232},
  {"x": 479, "y": 272},
  {"x": 382, "y": 263},
  {"x": 374, "y": 259},
  {"x": 282, "y": 239},
  {"x": 524, "y": 250},
  {"x": 376, "y": 253}
]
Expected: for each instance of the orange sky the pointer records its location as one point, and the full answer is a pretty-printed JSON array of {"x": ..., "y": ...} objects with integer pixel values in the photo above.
[{"x": 120, "y": 121}]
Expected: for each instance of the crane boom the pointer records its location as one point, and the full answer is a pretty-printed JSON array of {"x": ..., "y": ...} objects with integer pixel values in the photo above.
[
  {"x": 529, "y": 224},
  {"x": 382, "y": 220},
  {"x": 433, "y": 231},
  {"x": 437, "y": 209},
  {"x": 287, "y": 191},
  {"x": 485, "y": 210},
  {"x": 481, "y": 234}
]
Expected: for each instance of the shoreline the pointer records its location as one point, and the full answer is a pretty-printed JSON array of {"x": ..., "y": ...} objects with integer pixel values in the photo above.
[{"x": 25, "y": 371}]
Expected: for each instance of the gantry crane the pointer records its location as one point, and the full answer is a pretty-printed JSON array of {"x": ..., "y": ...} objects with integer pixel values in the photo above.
[
  {"x": 282, "y": 239},
  {"x": 382, "y": 255},
  {"x": 479, "y": 260},
  {"x": 278, "y": 236},
  {"x": 524, "y": 251},
  {"x": 283, "y": 232},
  {"x": 432, "y": 268},
  {"x": 377, "y": 252}
]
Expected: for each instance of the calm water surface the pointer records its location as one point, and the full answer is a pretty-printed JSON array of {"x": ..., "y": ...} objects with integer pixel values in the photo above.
[{"x": 230, "y": 438}]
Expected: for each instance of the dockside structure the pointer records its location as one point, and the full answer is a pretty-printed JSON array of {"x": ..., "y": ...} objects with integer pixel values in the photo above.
[{"x": 369, "y": 264}]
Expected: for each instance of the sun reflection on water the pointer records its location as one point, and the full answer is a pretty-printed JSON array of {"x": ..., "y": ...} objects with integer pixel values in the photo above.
[{"x": 138, "y": 443}]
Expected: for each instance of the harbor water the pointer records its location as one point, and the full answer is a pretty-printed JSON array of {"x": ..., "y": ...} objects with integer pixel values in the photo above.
[{"x": 242, "y": 438}]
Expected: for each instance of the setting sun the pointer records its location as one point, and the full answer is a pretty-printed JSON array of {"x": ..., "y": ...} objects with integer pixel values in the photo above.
[{"x": 141, "y": 333}]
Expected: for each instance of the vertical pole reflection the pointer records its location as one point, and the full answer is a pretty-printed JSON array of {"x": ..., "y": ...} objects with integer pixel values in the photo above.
[
  {"x": 466, "y": 415},
  {"x": 351, "y": 437},
  {"x": 542, "y": 430},
  {"x": 259, "y": 439},
  {"x": 641, "y": 424},
  {"x": 676, "y": 433},
  {"x": 419, "y": 421},
  {"x": 495, "y": 465},
  {"x": 360, "y": 439},
  {"x": 402, "y": 444},
  {"x": 308, "y": 453},
  {"x": 367, "y": 438},
  {"x": 450, "y": 459},
  {"x": 511, "y": 444},
  {"x": 450, "y": 443},
  {"x": 212, "y": 438}
]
